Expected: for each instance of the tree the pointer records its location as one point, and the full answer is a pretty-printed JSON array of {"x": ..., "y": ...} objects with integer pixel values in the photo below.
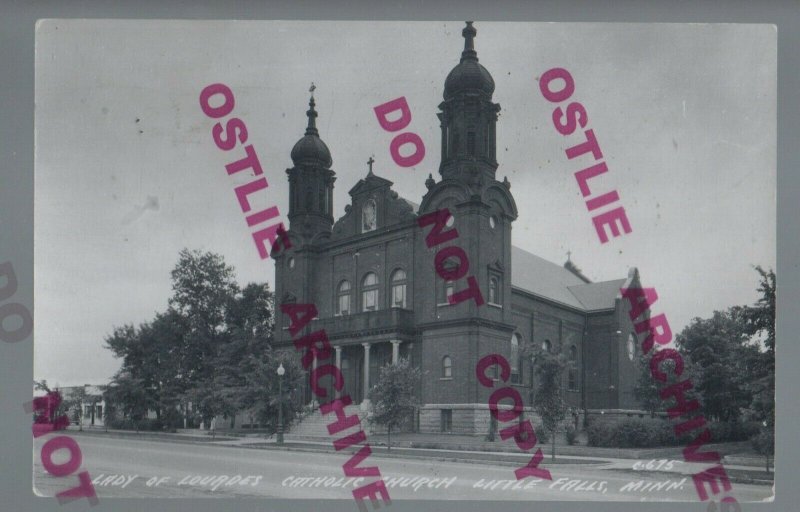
[
  {"x": 262, "y": 388},
  {"x": 76, "y": 402},
  {"x": 393, "y": 398},
  {"x": 764, "y": 443},
  {"x": 549, "y": 402},
  {"x": 249, "y": 323},
  {"x": 646, "y": 389},
  {"x": 127, "y": 395},
  {"x": 56, "y": 408},
  {"x": 759, "y": 322},
  {"x": 718, "y": 345},
  {"x": 209, "y": 348},
  {"x": 204, "y": 289}
]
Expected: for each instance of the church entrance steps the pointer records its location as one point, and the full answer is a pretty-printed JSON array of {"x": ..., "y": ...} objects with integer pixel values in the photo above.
[{"x": 315, "y": 425}]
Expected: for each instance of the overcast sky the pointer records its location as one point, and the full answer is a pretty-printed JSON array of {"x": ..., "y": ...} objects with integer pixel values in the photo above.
[{"x": 127, "y": 173}]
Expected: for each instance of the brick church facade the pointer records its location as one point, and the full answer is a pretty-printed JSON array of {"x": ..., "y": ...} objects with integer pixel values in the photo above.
[{"x": 373, "y": 280}]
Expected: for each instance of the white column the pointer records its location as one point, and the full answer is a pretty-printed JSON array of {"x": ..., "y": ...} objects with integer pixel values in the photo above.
[
  {"x": 338, "y": 365},
  {"x": 395, "y": 351},
  {"x": 366, "y": 372}
]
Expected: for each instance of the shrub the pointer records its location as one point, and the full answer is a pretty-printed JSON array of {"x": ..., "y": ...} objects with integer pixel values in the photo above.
[
  {"x": 730, "y": 431},
  {"x": 145, "y": 424},
  {"x": 572, "y": 434},
  {"x": 601, "y": 434},
  {"x": 764, "y": 442},
  {"x": 633, "y": 433}
]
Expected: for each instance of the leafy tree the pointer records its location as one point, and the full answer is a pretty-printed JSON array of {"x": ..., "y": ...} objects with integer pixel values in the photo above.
[
  {"x": 718, "y": 345},
  {"x": 209, "y": 348},
  {"x": 203, "y": 288},
  {"x": 646, "y": 389},
  {"x": 393, "y": 398},
  {"x": 249, "y": 326},
  {"x": 262, "y": 388},
  {"x": 764, "y": 443},
  {"x": 76, "y": 402},
  {"x": 127, "y": 394},
  {"x": 57, "y": 408},
  {"x": 759, "y": 322},
  {"x": 549, "y": 400}
]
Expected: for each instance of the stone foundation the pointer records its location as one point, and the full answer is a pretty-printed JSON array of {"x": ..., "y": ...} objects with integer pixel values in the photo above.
[{"x": 465, "y": 419}]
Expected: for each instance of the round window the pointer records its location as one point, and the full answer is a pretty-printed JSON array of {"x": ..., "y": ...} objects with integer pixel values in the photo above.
[
  {"x": 450, "y": 221},
  {"x": 492, "y": 221},
  {"x": 291, "y": 262},
  {"x": 631, "y": 346}
]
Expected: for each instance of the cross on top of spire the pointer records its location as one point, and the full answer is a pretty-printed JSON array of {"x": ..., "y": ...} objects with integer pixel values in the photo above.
[
  {"x": 469, "y": 34},
  {"x": 370, "y": 162},
  {"x": 312, "y": 113}
]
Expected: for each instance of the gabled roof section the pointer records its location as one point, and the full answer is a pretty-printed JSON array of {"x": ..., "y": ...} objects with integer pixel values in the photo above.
[
  {"x": 371, "y": 182},
  {"x": 597, "y": 296},
  {"x": 544, "y": 278},
  {"x": 551, "y": 281}
]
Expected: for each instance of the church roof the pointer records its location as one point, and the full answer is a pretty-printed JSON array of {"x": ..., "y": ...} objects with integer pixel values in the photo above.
[
  {"x": 551, "y": 281},
  {"x": 596, "y": 296}
]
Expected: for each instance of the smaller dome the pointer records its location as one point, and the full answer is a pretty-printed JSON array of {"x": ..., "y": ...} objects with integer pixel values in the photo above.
[
  {"x": 468, "y": 75},
  {"x": 310, "y": 149}
]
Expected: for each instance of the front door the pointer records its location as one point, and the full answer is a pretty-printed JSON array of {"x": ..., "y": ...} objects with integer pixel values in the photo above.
[{"x": 353, "y": 371}]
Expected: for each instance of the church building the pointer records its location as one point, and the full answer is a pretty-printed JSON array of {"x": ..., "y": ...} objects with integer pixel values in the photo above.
[{"x": 374, "y": 282}]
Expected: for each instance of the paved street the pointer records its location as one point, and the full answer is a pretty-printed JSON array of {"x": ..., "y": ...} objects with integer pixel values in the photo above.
[{"x": 134, "y": 468}]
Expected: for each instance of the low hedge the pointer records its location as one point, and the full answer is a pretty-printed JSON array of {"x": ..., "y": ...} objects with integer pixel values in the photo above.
[
  {"x": 651, "y": 432},
  {"x": 145, "y": 424}
]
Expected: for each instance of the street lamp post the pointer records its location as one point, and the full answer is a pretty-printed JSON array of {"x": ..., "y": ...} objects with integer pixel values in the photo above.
[{"x": 281, "y": 372}]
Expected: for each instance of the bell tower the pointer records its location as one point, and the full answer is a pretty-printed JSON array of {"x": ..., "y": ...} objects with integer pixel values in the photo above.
[
  {"x": 482, "y": 210},
  {"x": 311, "y": 182},
  {"x": 468, "y": 117}
]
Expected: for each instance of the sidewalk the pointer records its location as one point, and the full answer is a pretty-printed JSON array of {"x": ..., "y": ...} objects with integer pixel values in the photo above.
[{"x": 469, "y": 449}]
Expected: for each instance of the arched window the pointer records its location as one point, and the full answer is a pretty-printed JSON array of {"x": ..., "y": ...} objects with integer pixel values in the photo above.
[
  {"x": 447, "y": 367},
  {"x": 368, "y": 217},
  {"x": 399, "y": 288},
  {"x": 369, "y": 292},
  {"x": 515, "y": 360},
  {"x": 343, "y": 298},
  {"x": 448, "y": 291},
  {"x": 309, "y": 206},
  {"x": 493, "y": 298},
  {"x": 547, "y": 346},
  {"x": 572, "y": 372},
  {"x": 471, "y": 143}
]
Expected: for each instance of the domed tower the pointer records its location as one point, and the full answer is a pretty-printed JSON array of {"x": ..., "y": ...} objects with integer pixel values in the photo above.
[
  {"x": 482, "y": 210},
  {"x": 468, "y": 118},
  {"x": 311, "y": 183}
]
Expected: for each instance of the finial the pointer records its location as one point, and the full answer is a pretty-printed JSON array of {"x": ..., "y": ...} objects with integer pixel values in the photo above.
[
  {"x": 370, "y": 162},
  {"x": 569, "y": 255},
  {"x": 469, "y": 34},
  {"x": 506, "y": 183},
  {"x": 311, "y": 113},
  {"x": 430, "y": 182}
]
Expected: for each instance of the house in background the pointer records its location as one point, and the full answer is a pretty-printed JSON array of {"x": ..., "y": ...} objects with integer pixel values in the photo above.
[{"x": 92, "y": 407}]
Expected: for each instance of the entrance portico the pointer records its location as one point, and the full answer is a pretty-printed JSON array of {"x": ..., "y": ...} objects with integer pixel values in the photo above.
[{"x": 360, "y": 364}]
